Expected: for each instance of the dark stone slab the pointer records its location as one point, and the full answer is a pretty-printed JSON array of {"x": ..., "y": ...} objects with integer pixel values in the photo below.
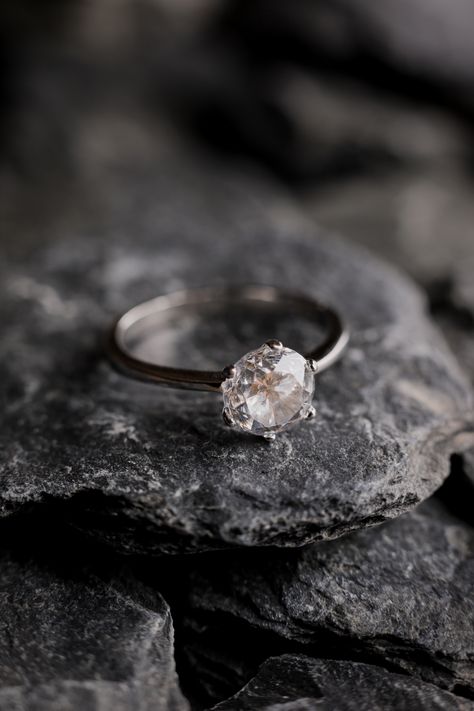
[
  {"x": 298, "y": 683},
  {"x": 155, "y": 470},
  {"x": 401, "y": 595},
  {"x": 426, "y": 218},
  {"x": 72, "y": 640}
]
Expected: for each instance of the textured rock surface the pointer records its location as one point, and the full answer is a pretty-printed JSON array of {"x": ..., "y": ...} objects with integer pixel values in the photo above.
[
  {"x": 297, "y": 683},
  {"x": 73, "y": 641},
  {"x": 97, "y": 217},
  {"x": 415, "y": 212},
  {"x": 401, "y": 594},
  {"x": 153, "y": 469}
]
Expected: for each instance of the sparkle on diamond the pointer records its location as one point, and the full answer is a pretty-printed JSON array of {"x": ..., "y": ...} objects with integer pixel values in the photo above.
[{"x": 271, "y": 390}]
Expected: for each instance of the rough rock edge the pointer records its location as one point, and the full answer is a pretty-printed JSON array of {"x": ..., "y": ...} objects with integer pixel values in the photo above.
[
  {"x": 265, "y": 693},
  {"x": 88, "y": 687}
]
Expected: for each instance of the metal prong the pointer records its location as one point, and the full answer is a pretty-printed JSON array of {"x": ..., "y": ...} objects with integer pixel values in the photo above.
[
  {"x": 275, "y": 344},
  {"x": 313, "y": 364},
  {"x": 227, "y": 417},
  {"x": 311, "y": 413},
  {"x": 269, "y": 436},
  {"x": 228, "y": 372}
]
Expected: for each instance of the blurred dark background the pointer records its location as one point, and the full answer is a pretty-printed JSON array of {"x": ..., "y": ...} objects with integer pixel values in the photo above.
[{"x": 362, "y": 110}]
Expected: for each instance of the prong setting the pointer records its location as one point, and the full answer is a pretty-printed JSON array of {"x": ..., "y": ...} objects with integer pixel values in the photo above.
[
  {"x": 275, "y": 344},
  {"x": 227, "y": 417},
  {"x": 313, "y": 365},
  {"x": 311, "y": 414},
  {"x": 229, "y": 372},
  {"x": 271, "y": 390},
  {"x": 269, "y": 436}
]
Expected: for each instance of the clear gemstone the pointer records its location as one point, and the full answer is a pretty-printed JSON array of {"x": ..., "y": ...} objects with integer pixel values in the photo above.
[{"x": 272, "y": 389}]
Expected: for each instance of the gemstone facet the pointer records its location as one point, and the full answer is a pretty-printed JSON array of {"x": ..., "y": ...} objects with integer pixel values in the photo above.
[{"x": 270, "y": 390}]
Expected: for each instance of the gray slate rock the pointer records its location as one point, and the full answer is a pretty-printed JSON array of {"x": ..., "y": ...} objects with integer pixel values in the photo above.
[
  {"x": 401, "y": 594},
  {"x": 78, "y": 642},
  {"x": 155, "y": 470},
  {"x": 298, "y": 683},
  {"x": 416, "y": 212}
]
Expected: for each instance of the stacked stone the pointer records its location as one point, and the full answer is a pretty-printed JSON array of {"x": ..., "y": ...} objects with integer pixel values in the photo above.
[
  {"x": 152, "y": 471},
  {"x": 332, "y": 569}
]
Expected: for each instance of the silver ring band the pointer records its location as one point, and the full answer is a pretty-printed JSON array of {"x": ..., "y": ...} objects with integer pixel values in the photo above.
[{"x": 322, "y": 356}]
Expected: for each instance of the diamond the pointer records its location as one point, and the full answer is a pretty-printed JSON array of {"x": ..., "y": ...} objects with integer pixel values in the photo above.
[{"x": 270, "y": 389}]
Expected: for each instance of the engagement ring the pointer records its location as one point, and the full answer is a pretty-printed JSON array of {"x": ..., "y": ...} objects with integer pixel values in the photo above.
[{"x": 265, "y": 392}]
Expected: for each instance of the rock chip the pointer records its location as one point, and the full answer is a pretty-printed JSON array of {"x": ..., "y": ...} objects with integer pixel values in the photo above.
[
  {"x": 298, "y": 683},
  {"x": 73, "y": 641},
  {"x": 400, "y": 595},
  {"x": 156, "y": 470}
]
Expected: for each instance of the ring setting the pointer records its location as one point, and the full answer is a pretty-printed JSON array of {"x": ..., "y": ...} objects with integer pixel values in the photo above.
[
  {"x": 266, "y": 391},
  {"x": 269, "y": 390}
]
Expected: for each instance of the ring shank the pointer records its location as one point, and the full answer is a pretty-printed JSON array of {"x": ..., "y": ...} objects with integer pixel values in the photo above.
[{"x": 325, "y": 354}]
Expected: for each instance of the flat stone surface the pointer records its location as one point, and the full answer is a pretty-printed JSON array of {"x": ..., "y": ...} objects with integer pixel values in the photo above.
[
  {"x": 399, "y": 595},
  {"x": 73, "y": 641},
  {"x": 415, "y": 212},
  {"x": 298, "y": 683},
  {"x": 156, "y": 470}
]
